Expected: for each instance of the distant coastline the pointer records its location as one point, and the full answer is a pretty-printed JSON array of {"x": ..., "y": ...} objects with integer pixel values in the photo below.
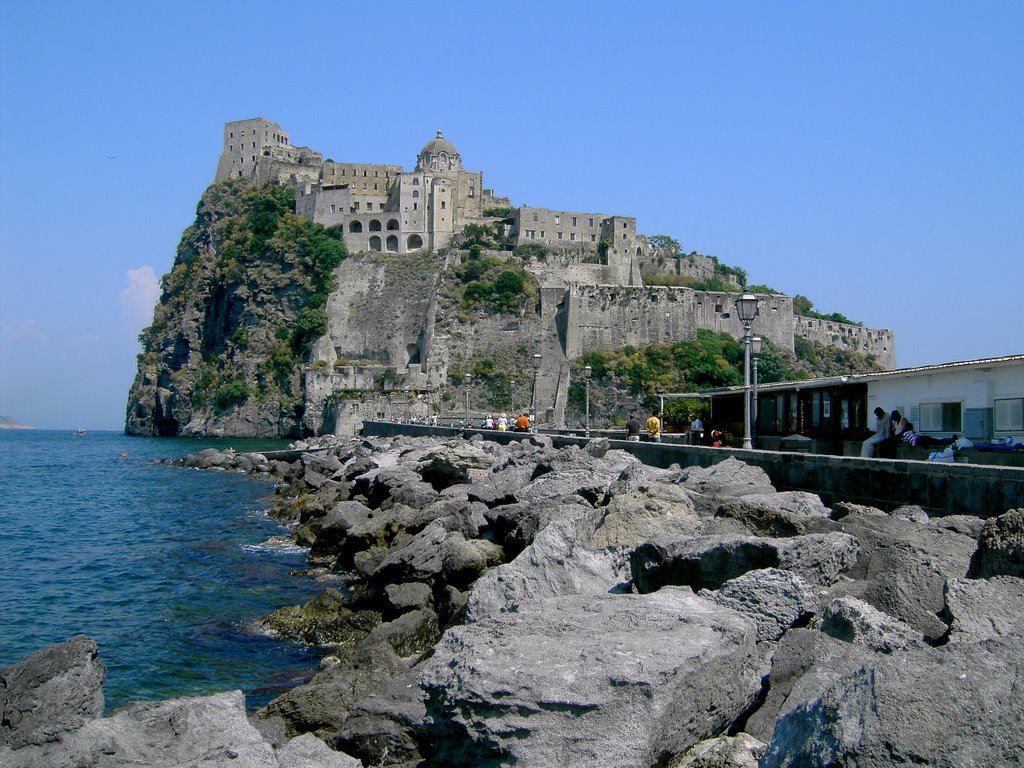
[{"x": 6, "y": 422}]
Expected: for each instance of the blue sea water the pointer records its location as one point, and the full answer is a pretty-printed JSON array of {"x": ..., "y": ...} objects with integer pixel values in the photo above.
[{"x": 164, "y": 567}]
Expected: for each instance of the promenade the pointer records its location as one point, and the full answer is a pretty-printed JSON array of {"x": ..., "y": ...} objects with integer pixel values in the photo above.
[{"x": 939, "y": 488}]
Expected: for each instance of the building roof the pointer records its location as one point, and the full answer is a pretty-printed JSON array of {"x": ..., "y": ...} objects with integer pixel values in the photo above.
[
  {"x": 437, "y": 145},
  {"x": 864, "y": 378}
]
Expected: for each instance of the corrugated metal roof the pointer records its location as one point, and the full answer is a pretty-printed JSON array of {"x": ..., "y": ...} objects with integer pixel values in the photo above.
[{"x": 864, "y": 378}]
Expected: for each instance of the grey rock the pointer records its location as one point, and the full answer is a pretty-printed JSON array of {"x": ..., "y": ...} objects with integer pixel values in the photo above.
[
  {"x": 819, "y": 558},
  {"x": 1000, "y": 549},
  {"x": 739, "y": 751},
  {"x": 590, "y": 680},
  {"x": 454, "y": 464},
  {"x": 844, "y": 508},
  {"x": 411, "y": 634},
  {"x": 984, "y": 609},
  {"x": 946, "y": 707},
  {"x": 854, "y": 621},
  {"x": 515, "y": 526},
  {"x": 407, "y": 597},
  {"x": 320, "y": 705},
  {"x": 385, "y": 727},
  {"x": 967, "y": 525},
  {"x": 773, "y": 599},
  {"x": 209, "y": 731},
  {"x": 729, "y": 477},
  {"x": 912, "y": 513},
  {"x": 51, "y": 692},
  {"x": 307, "y": 751},
  {"x": 652, "y": 512},
  {"x": 903, "y": 567},
  {"x": 555, "y": 564},
  {"x": 787, "y": 513}
]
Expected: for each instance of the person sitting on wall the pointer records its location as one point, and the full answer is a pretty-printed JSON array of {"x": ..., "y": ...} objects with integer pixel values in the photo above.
[
  {"x": 633, "y": 428},
  {"x": 503, "y": 423},
  {"x": 883, "y": 431},
  {"x": 654, "y": 427},
  {"x": 522, "y": 423}
]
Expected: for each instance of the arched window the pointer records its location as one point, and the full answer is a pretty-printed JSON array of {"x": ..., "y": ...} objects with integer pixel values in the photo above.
[
  {"x": 416, "y": 182},
  {"x": 392, "y": 224},
  {"x": 375, "y": 225},
  {"x": 415, "y": 242},
  {"x": 355, "y": 226},
  {"x": 375, "y": 243},
  {"x": 415, "y": 193},
  {"x": 392, "y": 243}
]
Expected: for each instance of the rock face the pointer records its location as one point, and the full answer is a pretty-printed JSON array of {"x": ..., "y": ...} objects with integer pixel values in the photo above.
[
  {"x": 497, "y": 605},
  {"x": 52, "y": 691}
]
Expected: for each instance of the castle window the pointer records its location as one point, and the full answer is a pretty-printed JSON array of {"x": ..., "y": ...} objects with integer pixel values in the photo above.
[
  {"x": 231, "y": 135},
  {"x": 558, "y": 219},
  {"x": 415, "y": 206},
  {"x": 623, "y": 225},
  {"x": 443, "y": 205},
  {"x": 333, "y": 208},
  {"x": 591, "y": 220},
  {"x": 254, "y": 145},
  {"x": 357, "y": 205},
  {"x": 559, "y": 235},
  {"x": 574, "y": 221},
  {"x": 375, "y": 176},
  {"x": 472, "y": 190},
  {"x": 231, "y": 147},
  {"x": 572, "y": 235},
  {"x": 535, "y": 217},
  {"x": 415, "y": 194},
  {"x": 542, "y": 233},
  {"x": 593, "y": 238},
  {"x": 364, "y": 173},
  {"x": 254, "y": 158},
  {"x": 415, "y": 182}
]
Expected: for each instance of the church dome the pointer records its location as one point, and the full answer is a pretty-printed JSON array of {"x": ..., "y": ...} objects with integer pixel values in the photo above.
[{"x": 438, "y": 145}]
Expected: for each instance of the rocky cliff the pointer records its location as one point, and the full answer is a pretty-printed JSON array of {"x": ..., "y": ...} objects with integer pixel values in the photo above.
[{"x": 238, "y": 313}]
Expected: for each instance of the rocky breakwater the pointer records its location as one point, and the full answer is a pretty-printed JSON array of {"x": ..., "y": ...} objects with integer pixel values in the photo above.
[{"x": 491, "y": 605}]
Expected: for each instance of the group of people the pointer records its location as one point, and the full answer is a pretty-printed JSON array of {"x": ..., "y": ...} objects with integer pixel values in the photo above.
[
  {"x": 653, "y": 427},
  {"x": 892, "y": 428},
  {"x": 522, "y": 423}
]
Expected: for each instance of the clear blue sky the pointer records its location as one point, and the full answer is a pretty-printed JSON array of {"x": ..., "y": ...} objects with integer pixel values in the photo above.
[{"x": 868, "y": 155}]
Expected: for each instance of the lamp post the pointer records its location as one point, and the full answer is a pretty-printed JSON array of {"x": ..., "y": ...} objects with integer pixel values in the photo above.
[
  {"x": 587, "y": 373},
  {"x": 512, "y": 395},
  {"x": 755, "y": 350},
  {"x": 746, "y": 310},
  {"x": 467, "y": 378},
  {"x": 536, "y": 376}
]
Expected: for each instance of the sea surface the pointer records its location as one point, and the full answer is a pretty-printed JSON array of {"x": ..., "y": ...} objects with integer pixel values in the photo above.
[{"x": 164, "y": 567}]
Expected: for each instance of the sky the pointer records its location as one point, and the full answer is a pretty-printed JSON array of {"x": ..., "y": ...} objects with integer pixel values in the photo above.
[{"x": 867, "y": 155}]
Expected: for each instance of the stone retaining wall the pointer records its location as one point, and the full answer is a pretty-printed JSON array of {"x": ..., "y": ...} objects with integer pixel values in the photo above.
[{"x": 942, "y": 489}]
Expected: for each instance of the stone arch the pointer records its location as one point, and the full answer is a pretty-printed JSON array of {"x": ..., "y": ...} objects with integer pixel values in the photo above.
[
  {"x": 415, "y": 182},
  {"x": 375, "y": 243},
  {"x": 392, "y": 224},
  {"x": 415, "y": 242},
  {"x": 412, "y": 351},
  {"x": 392, "y": 244},
  {"x": 415, "y": 193},
  {"x": 355, "y": 226},
  {"x": 375, "y": 225},
  {"x": 639, "y": 252}
]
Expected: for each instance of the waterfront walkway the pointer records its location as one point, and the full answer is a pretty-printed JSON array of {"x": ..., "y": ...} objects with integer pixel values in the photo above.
[{"x": 941, "y": 489}]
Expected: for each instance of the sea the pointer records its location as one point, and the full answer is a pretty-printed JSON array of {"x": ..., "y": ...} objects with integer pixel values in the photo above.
[{"x": 166, "y": 568}]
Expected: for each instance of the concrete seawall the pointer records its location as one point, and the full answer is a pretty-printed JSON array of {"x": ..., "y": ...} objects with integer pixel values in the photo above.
[{"x": 942, "y": 489}]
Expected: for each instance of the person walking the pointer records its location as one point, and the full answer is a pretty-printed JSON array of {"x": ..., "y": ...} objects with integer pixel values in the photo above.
[{"x": 696, "y": 429}]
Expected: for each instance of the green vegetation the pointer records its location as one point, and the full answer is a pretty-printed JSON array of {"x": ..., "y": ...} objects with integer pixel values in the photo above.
[
  {"x": 499, "y": 212},
  {"x": 531, "y": 251},
  {"x": 246, "y": 261},
  {"x": 664, "y": 241},
  {"x": 803, "y": 306}
]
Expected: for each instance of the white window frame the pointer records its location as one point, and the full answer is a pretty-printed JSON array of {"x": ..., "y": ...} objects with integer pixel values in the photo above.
[
  {"x": 1009, "y": 414},
  {"x": 932, "y": 416}
]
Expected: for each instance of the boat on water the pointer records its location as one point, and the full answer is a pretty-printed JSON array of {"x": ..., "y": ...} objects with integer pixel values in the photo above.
[{"x": 79, "y": 432}]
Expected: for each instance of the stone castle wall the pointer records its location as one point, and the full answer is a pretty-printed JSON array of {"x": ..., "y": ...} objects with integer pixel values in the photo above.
[
  {"x": 877, "y": 342},
  {"x": 608, "y": 317}
]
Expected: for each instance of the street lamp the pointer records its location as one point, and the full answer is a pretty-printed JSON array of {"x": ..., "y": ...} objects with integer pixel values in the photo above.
[
  {"x": 746, "y": 310},
  {"x": 587, "y": 373},
  {"x": 755, "y": 350},
  {"x": 536, "y": 376},
  {"x": 467, "y": 378},
  {"x": 512, "y": 395}
]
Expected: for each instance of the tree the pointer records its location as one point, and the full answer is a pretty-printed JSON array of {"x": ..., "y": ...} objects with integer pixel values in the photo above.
[{"x": 664, "y": 241}]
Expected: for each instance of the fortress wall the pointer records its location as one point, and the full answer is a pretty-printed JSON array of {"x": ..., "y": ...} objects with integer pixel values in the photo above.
[
  {"x": 868, "y": 341},
  {"x": 544, "y": 226},
  {"x": 607, "y": 317}
]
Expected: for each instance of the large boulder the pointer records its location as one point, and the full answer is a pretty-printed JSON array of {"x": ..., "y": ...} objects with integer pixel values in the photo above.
[
  {"x": 555, "y": 564},
  {"x": 1000, "y": 549},
  {"x": 854, "y": 621},
  {"x": 209, "y": 731},
  {"x": 903, "y": 567},
  {"x": 51, "y": 692},
  {"x": 320, "y": 705},
  {"x": 959, "y": 705},
  {"x": 984, "y": 609},
  {"x": 774, "y": 600},
  {"x": 787, "y": 513},
  {"x": 590, "y": 680}
]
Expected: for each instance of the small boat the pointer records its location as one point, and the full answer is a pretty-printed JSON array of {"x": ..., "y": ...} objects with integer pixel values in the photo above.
[{"x": 79, "y": 432}]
